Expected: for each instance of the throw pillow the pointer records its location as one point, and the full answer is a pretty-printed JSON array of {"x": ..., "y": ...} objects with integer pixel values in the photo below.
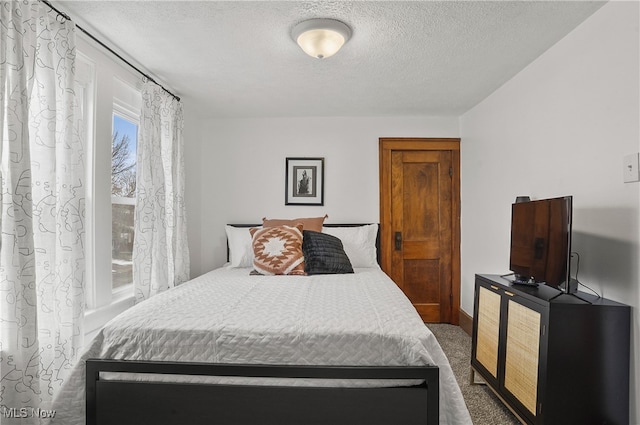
[
  {"x": 324, "y": 254},
  {"x": 309, "y": 223},
  {"x": 278, "y": 250}
]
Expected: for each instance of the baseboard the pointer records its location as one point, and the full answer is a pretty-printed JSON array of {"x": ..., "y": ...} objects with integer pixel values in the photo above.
[{"x": 466, "y": 322}]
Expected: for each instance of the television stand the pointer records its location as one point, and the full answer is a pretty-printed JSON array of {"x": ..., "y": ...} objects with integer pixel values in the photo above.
[{"x": 552, "y": 358}]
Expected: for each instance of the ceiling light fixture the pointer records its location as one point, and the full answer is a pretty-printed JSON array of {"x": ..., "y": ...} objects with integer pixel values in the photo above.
[{"x": 321, "y": 38}]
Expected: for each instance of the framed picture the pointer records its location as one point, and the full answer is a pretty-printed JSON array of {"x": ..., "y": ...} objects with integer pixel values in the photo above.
[{"x": 304, "y": 181}]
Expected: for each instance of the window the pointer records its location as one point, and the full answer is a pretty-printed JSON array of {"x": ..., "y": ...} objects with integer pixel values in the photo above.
[
  {"x": 111, "y": 107},
  {"x": 123, "y": 193}
]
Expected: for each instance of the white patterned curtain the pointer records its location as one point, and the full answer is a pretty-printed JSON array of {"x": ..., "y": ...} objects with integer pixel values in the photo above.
[
  {"x": 42, "y": 217},
  {"x": 160, "y": 251}
]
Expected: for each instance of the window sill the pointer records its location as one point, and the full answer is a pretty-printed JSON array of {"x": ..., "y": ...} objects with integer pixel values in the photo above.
[{"x": 95, "y": 319}]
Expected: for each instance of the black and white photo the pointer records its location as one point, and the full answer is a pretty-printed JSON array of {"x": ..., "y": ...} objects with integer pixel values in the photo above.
[{"x": 304, "y": 182}]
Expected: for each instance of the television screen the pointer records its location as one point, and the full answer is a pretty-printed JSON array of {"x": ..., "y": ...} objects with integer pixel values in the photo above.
[{"x": 541, "y": 241}]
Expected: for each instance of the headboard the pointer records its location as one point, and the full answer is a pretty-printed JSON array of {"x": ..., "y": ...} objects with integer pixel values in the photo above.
[{"x": 378, "y": 256}]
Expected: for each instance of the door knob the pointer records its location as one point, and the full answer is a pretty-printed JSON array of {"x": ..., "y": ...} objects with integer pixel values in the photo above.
[{"x": 398, "y": 241}]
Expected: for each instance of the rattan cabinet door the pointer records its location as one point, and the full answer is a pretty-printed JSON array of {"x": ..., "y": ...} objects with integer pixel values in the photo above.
[
  {"x": 522, "y": 354},
  {"x": 487, "y": 344}
]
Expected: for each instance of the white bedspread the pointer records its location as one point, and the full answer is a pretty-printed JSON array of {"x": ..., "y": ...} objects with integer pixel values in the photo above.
[{"x": 227, "y": 316}]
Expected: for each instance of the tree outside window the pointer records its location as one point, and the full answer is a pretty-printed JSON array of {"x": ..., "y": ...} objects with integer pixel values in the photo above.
[{"x": 123, "y": 192}]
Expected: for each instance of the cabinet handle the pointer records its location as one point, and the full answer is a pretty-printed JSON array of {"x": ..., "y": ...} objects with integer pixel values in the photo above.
[
  {"x": 495, "y": 288},
  {"x": 511, "y": 294}
]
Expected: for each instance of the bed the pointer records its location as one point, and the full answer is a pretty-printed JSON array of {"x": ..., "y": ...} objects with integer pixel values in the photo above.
[{"x": 230, "y": 347}]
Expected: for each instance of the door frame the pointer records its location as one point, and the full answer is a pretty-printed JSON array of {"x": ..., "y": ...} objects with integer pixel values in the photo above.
[{"x": 386, "y": 146}]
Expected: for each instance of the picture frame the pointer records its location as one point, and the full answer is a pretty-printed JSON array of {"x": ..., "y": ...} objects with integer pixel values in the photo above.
[{"x": 304, "y": 181}]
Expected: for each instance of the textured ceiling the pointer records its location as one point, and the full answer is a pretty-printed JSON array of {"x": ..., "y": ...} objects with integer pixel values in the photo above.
[{"x": 237, "y": 58}]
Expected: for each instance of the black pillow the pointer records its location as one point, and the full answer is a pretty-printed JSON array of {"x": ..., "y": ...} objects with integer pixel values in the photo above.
[{"x": 324, "y": 254}]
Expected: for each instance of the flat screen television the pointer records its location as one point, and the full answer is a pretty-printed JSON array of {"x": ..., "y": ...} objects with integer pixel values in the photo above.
[{"x": 541, "y": 243}]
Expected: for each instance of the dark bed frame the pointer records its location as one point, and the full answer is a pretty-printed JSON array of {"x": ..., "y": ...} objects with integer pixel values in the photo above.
[
  {"x": 128, "y": 402},
  {"x": 155, "y": 403}
]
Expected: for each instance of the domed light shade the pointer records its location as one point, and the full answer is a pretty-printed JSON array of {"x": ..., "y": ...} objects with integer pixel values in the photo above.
[{"x": 321, "y": 38}]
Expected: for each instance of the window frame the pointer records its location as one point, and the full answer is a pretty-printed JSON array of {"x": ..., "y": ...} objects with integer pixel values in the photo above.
[
  {"x": 85, "y": 79},
  {"x": 108, "y": 78}
]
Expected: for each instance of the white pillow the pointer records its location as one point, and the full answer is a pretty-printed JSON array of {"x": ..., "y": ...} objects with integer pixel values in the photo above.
[
  {"x": 240, "y": 246},
  {"x": 359, "y": 243}
]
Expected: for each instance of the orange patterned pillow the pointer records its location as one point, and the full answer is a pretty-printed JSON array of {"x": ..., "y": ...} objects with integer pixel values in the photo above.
[
  {"x": 278, "y": 250},
  {"x": 309, "y": 223}
]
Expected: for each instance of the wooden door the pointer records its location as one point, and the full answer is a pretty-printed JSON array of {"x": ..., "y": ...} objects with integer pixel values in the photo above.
[{"x": 419, "y": 218}]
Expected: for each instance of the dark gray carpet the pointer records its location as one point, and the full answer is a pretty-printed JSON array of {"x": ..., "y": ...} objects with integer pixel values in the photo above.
[{"x": 485, "y": 408}]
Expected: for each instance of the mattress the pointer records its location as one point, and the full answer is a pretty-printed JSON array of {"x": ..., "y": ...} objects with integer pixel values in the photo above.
[{"x": 230, "y": 316}]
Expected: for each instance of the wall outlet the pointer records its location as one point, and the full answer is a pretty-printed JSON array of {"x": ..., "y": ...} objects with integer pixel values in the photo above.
[{"x": 630, "y": 168}]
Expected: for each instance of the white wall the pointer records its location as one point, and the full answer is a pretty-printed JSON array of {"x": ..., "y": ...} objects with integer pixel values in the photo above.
[
  {"x": 240, "y": 166},
  {"x": 562, "y": 127},
  {"x": 193, "y": 140}
]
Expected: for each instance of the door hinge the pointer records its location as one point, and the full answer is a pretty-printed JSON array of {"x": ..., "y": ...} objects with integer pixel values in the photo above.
[{"x": 450, "y": 171}]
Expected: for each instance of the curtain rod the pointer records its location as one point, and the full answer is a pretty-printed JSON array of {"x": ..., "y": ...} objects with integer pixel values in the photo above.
[{"x": 65, "y": 16}]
